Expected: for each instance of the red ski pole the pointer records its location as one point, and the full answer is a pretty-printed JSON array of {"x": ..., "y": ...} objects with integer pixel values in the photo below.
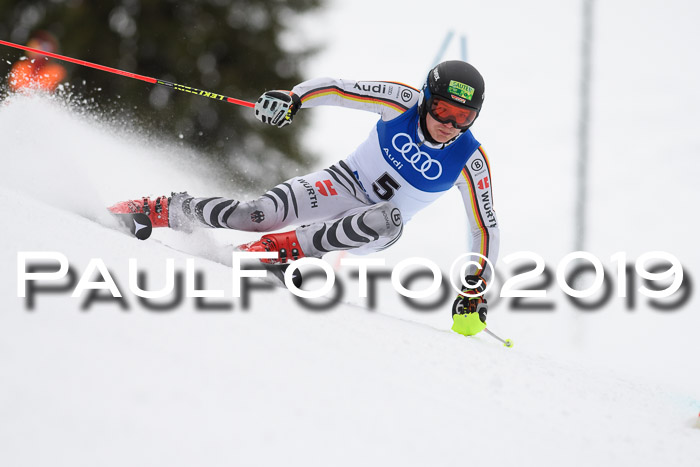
[{"x": 177, "y": 87}]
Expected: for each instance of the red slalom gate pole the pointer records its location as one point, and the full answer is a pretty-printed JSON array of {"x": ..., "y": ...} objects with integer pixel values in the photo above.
[{"x": 175, "y": 86}]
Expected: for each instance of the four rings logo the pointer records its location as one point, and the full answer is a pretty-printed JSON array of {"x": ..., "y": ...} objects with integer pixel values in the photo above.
[{"x": 429, "y": 168}]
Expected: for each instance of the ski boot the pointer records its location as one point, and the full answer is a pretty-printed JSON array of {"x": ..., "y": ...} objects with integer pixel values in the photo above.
[
  {"x": 156, "y": 210},
  {"x": 286, "y": 244}
]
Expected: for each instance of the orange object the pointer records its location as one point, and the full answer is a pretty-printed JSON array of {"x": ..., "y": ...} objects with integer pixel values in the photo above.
[
  {"x": 156, "y": 210},
  {"x": 286, "y": 243},
  {"x": 36, "y": 74}
]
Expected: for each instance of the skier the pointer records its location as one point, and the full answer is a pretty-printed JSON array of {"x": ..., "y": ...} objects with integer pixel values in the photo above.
[{"x": 420, "y": 148}]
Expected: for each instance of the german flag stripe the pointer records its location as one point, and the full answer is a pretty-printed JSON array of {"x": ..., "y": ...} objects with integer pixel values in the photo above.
[
  {"x": 401, "y": 84},
  {"x": 330, "y": 90},
  {"x": 488, "y": 169},
  {"x": 483, "y": 248}
]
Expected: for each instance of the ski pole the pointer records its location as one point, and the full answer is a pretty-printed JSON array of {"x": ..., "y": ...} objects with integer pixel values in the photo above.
[
  {"x": 507, "y": 342},
  {"x": 177, "y": 87}
]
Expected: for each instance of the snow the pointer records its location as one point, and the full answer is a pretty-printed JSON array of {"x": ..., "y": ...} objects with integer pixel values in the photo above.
[{"x": 277, "y": 383}]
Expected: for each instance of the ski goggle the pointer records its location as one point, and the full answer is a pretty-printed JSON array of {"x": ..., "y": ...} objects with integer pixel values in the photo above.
[{"x": 446, "y": 112}]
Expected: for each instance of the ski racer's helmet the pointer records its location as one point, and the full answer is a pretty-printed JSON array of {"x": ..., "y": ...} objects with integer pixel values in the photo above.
[{"x": 453, "y": 92}]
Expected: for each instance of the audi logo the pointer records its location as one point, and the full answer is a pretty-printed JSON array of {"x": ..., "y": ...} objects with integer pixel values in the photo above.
[{"x": 426, "y": 162}]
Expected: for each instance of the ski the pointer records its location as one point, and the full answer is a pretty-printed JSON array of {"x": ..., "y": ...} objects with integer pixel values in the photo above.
[
  {"x": 139, "y": 224},
  {"x": 278, "y": 270}
]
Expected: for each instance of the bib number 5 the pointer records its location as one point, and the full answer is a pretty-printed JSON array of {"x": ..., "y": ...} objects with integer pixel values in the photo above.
[{"x": 385, "y": 187}]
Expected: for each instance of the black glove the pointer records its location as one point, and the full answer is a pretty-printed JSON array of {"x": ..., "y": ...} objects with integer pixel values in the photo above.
[
  {"x": 470, "y": 302},
  {"x": 469, "y": 311},
  {"x": 277, "y": 107}
]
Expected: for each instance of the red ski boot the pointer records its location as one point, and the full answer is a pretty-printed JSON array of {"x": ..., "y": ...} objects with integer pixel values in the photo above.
[
  {"x": 285, "y": 243},
  {"x": 156, "y": 210}
]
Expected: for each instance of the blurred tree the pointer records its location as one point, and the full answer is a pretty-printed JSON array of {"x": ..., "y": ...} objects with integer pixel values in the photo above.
[{"x": 238, "y": 48}]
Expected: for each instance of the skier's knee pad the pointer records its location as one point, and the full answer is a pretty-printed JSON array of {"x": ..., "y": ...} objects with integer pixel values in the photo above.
[{"x": 385, "y": 219}]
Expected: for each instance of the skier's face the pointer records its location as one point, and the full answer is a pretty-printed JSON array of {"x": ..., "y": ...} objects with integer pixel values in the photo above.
[{"x": 440, "y": 132}]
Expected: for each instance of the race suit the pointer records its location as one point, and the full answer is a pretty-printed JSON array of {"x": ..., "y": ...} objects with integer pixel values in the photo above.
[{"x": 363, "y": 202}]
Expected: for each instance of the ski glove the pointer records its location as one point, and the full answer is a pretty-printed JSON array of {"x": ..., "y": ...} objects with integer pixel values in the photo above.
[
  {"x": 469, "y": 310},
  {"x": 277, "y": 107}
]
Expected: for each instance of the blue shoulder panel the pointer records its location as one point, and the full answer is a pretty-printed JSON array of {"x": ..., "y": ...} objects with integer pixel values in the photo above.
[{"x": 427, "y": 169}]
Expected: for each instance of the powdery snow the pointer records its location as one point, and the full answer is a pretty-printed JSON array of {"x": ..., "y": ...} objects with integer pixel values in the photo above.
[{"x": 277, "y": 383}]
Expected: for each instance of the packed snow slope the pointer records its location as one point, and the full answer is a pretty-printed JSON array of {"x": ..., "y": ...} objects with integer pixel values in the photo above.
[{"x": 277, "y": 384}]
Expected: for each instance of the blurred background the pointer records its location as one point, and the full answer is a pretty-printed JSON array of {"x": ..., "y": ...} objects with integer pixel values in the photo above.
[{"x": 235, "y": 48}]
